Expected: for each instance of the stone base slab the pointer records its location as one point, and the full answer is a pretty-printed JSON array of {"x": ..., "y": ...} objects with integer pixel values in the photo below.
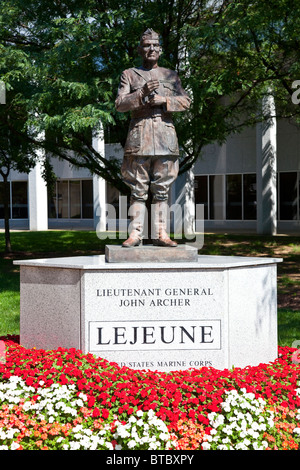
[{"x": 150, "y": 254}]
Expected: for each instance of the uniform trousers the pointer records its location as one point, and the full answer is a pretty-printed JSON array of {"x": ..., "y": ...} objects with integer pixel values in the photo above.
[{"x": 155, "y": 172}]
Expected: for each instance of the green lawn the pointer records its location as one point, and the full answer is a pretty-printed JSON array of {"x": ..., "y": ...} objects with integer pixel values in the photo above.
[{"x": 68, "y": 243}]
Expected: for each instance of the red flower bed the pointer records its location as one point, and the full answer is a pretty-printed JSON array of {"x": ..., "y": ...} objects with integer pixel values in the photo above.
[{"x": 181, "y": 396}]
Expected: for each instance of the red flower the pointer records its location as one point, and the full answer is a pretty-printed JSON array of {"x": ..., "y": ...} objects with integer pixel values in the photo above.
[
  {"x": 105, "y": 413},
  {"x": 63, "y": 379},
  {"x": 96, "y": 413},
  {"x": 29, "y": 381},
  {"x": 91, "y": 401}
]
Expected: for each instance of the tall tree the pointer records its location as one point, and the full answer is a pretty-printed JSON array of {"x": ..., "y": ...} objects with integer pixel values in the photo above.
[
  {"x": 17, "y": 147},
  {"x": 229, "y": 54}
]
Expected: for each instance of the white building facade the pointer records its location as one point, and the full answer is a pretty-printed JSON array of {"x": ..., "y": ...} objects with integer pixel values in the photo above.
[{"x": 251, "y": 183}]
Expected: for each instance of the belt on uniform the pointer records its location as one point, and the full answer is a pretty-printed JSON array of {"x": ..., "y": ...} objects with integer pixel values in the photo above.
[{"x": 149, "y": 113}]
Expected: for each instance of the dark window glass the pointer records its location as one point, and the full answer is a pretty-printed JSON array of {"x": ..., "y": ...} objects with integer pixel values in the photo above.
[
  {"x": 75, "y": 200},
  {"x": 201, "y": 193},
  {"x": 19, "y": 200},
  {"x": 288, "y": 196},
  {"x": 216, "y": 199},
  {"x": 112, "y": 197},
  {"x": 87, "y": 199},
  {"x": 234, "y": 197},
  {"x": 249, "y": 188},
  {"x": 2, "y": 199},
  {"x": 63, "y": 199},
  {"x": 52, "y": 203}
]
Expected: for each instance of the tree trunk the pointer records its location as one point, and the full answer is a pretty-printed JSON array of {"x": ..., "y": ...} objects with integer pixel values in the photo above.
[{"x": 8, "y": 248}]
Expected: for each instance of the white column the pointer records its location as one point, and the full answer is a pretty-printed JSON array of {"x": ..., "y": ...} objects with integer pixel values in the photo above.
[
  {"x": 266, "y": 154},
  {"x": 99, "y": 187},
  {"x": 189, "y": 206},
  {"x": 38, "y": 198},
  {"x": 183, "y": 201}
]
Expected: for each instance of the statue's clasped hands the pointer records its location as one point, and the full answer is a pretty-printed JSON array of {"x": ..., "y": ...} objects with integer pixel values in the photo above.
[{"x": 149, "y": 90}]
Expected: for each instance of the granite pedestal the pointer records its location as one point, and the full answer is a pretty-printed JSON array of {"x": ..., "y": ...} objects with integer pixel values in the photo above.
[{"x": 216, "y": 311}]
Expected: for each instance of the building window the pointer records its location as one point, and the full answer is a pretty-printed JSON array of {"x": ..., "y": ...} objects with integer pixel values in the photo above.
[
  {"x": 75, "y": 199},
  {"x": 18, "y": 200},
  {"x": 249, "y": 197},
  {"x": 71, "y": 199},
  {"x": 201, "y": 193},
  {"x": 2, "y": 200},
  {"x": 216, "y": 197},
  {"x": 87, "y": 199},
  {"x": 234, "y": 197},
  {"x": 235, "y": 194},
  {"x": 63, "y": 199},
  {"x": 288, "y": 197}
]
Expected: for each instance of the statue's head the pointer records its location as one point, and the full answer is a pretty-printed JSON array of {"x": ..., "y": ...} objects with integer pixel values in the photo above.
[{"x": 149, "y": 47}]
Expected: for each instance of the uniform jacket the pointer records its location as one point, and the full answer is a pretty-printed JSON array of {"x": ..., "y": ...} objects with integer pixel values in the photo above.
[{"x": 151, "y": 131}]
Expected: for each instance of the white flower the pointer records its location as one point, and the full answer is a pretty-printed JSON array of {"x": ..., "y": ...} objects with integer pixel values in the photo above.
[
  {"x": 163, "y": 436},
  {"x": 225, "y": 406},
  {"x": 132, "y": 444},
  {"x": 227, "y": 430},
  {"x": 218, "y": 421},
  {"x": 251, "y": 396},
  {"x": 132, "y": 419},
  {"x": 222, "y": 447},
  {"x": 205, "y": 446},
  {"x": 226, "y": 441},
  {"x": 253, "y": 433},
  {"x": 14, "y": 446},
  {"x": 78, "y": 428},
  {"x": 122, "y": 432},
  {"x": 74, "y": 445},
  {"x": 151, "y": 414},
  {"x": 153, "y": 445},
  {"x": 241, "y": 446},
  {"x": 82, "y": 396}
]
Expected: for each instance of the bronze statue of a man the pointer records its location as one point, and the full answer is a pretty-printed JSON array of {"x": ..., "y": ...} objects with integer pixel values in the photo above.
[{"x": 151, "y": 151}]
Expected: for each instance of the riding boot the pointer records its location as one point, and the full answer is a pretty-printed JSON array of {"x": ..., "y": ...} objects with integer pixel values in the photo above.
[
  {"x": 160, "y": 236},
  {"x": 137, "y": 215}
]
